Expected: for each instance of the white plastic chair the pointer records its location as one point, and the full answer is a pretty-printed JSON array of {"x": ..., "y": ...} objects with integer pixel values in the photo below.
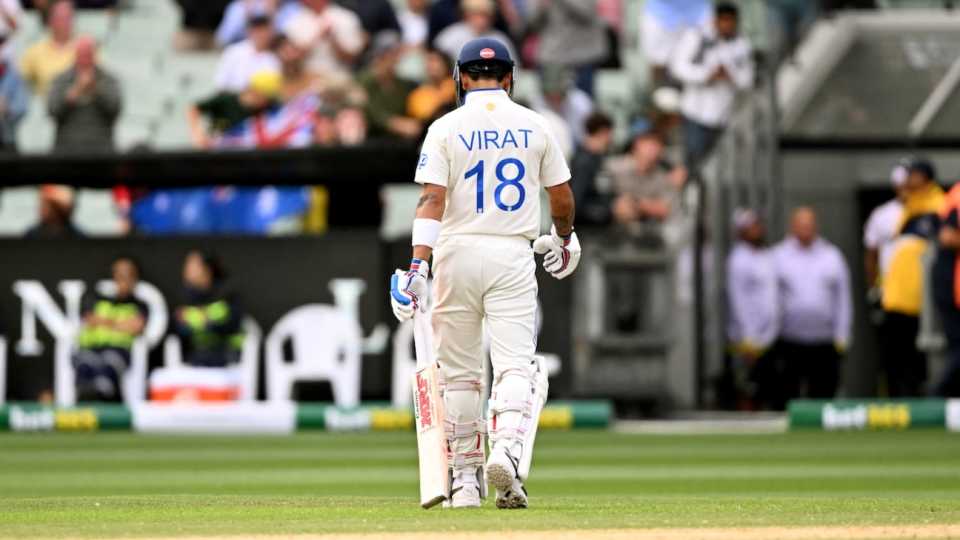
[
  {"x": 246, "y": 370},
  {"x": 133, "y": 383},
  {"x": 326, "y": 347}
]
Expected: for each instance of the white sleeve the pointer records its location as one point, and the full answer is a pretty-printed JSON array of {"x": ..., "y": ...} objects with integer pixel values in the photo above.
[
  {"x": 349, "y": 33},
  {"x": 683, "y": 66},
  {"x": 433, "y": 165},
  {"x": 553, "y": 168},
  {"x": 871, "y": 231}
]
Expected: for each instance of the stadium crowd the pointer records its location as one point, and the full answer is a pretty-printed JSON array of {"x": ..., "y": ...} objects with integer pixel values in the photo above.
[{"x": 300, "y": 73}]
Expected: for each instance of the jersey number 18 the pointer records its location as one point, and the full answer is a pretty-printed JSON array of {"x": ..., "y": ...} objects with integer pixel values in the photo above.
[{"x": 477, "y": 171}]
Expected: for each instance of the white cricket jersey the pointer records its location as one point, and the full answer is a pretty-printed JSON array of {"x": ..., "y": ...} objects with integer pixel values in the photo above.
[{"x": 494, "y": 157}]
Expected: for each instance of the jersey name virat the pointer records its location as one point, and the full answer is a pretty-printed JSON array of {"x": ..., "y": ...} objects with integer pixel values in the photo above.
[{"x": 494, "y": 157}]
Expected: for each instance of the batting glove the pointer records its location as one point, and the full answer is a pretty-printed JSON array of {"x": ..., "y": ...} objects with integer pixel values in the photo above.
[
  {"x": 562, "y": 254},
  {"x": 409, "y": 291}
]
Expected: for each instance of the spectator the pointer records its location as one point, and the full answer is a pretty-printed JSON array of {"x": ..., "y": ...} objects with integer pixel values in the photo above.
[
  {"x": 209, "y": 323},
  {"x": 561, "y": 97},
  {"x": 593, "y": 207},
  {"x": 233, "y": 27},
  {"x": 752, "y": 322},
  {"x": 902, "y": 299},
  {"x": 413, "y": 23},
  {"x": 85, "y": 102},
  {"x": 14, "y": 102},
  {"x": 879, "y": 236},
  {"x": 110, "y": 326},
  {"x": 445, "y": 13},
  {"x": 565, "y": 22},
  {"x": 332, "y": 33},
  {"x": 254, "y": 54},
  {"x": 816, "y": 310},
  {"x": 662, "y": 25},
  {"x": 712, "y": 66},
  {"x": 200, "y": 19},
  {"x": 644, "y": 184},
  {"x": 880, "y": 231},
  {"x": 477, "y": 22},
  {"x": 946, "y": 291},
  {"x": 438, "y": 94},
  {"x": 56, "y": 214},
  {"x": 226, "y": 111},
  {"x": 10, "y": 15},
  {"x": 387, "y": 94},
  {"x": 53, "y": 55}
]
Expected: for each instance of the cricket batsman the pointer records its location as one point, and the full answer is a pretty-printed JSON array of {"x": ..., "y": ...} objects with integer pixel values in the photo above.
[{"x": 482, "y": 167}]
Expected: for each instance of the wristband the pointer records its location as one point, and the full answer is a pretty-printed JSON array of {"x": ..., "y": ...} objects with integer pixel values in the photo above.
[{"x": 425, "y": 232}]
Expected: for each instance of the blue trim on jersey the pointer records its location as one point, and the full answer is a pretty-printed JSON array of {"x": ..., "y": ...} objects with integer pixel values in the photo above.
[{"x": 395, "y": 291}]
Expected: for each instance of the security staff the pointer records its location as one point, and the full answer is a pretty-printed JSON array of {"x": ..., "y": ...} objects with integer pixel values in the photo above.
[
  {"x": 210, "y": 321},
  {"x": 110, "y": 326}
]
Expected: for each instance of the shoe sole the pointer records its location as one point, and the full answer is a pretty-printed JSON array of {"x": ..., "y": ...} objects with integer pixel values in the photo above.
[{"x": 502, "y": 479}]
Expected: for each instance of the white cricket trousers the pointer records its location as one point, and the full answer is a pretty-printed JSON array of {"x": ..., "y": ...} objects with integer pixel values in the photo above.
[{"x": 479, "y": 277}]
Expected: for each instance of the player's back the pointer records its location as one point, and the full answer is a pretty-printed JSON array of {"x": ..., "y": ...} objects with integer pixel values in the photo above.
[{"x": 494, "y": 156}]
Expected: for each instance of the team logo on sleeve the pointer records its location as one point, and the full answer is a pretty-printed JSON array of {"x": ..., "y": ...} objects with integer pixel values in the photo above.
[
  {"x": 487, "y": 53},
  {"x": 423, "y": 162}
]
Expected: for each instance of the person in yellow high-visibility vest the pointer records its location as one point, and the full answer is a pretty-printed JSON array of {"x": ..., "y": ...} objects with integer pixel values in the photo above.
[
  {"x": 110, "y": 326},
  {"x": 209, "y": 322},
  {"x": 902, "y": 298}
]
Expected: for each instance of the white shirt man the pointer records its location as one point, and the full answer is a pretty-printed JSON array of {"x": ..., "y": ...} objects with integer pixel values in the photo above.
[
  {"x": 333, "y": 34},
  {"x": 880, "y": 231},
  {"x": 477, "y": 23},
  {"x": 816, "y": 309},
  {"x": 482, "y": 168},
  {"x": 751, "y": 289},
  {"x": 815, "y": 292},
  {"x": 240, "y": 62},
  {"x": 707, "y": 100}
]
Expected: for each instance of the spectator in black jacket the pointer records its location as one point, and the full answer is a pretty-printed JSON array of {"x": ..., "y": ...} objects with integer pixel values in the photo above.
[
  {"x": 85, "y": 102},
  {"x": 209, "y": 323},
  {"x": 593, "y": 207}
]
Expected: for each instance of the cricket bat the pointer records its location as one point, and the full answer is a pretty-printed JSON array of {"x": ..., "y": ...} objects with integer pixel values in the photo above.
[{"x": 429, "y": 414}]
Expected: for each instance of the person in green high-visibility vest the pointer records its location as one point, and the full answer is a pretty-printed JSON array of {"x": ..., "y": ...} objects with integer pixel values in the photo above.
[
  {"x": 209, "y": 322},
  {"x": 110, "y": 325}
]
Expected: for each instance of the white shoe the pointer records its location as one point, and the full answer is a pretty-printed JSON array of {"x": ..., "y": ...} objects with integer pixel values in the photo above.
[
  {"x": 502, "y": 473},
  {"x": 466, "y": 491}
]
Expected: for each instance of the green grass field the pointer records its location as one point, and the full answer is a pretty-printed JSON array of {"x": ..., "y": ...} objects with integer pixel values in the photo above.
[{"x": 118, "y": 485}]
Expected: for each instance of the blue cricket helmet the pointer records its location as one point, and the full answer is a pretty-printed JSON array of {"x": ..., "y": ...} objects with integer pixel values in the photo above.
[{"x": 484, "y": 55}]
